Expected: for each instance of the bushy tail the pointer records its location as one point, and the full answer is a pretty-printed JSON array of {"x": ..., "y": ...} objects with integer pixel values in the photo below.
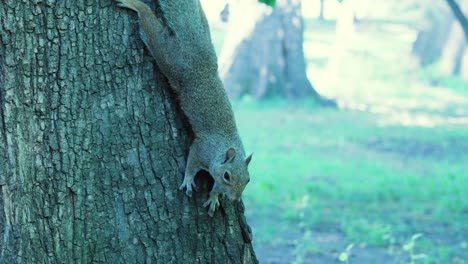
[
  {"x": 150, "y": 26},
  {"x": 135, "y": 5}
]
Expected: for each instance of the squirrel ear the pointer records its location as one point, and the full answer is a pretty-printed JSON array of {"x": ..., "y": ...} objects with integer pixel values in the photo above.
[
  {"x": 248, "y": 159},
  {"x": 230, "y": 155}
]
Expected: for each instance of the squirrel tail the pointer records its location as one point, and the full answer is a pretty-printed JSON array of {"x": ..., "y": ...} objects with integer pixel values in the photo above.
[
  {"x": 134, "y": 5},
  {"x": 150, "y": 26}
]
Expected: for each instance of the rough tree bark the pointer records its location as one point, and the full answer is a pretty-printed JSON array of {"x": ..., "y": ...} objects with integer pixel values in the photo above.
[
  {"x": 93, "y": 146},
  {"x": 263, "y": 54}
]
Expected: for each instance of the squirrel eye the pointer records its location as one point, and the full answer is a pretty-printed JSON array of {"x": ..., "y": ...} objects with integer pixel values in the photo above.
[{"x": 226, "y": 176}]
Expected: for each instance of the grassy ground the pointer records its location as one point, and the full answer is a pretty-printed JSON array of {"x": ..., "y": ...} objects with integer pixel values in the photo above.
[
  {"x": 386, "y": 173},
  {"x": 323, "y": 179}
]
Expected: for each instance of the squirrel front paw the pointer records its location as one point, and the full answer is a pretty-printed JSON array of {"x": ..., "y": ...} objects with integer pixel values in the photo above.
[
  {"x": 213, "y": 202},
  {"x": 188, "y": 183}
]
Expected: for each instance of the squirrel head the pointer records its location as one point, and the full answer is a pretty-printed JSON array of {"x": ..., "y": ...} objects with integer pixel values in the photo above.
[{"x": 232, "y": 175}]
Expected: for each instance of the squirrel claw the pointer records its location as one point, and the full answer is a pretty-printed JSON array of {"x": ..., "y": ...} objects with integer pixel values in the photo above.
[
  {"x": 188, "y": 192},
  {"x": 213, "y": 202},
  {"x": 181, "y": 187}
]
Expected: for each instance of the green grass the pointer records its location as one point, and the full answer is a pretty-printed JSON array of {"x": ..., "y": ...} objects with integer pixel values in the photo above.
[{"x": 339, "y": 168}]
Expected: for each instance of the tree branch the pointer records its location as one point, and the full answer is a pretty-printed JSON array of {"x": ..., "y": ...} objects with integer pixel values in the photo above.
[{"x": 460, "y": 16}]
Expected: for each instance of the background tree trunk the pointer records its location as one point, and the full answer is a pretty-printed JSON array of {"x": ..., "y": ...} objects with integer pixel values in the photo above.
[
  {"x": 93, "y": 147},
  {"x": 344, "y": 34},
  {"x": 263, "y": 54},
  {"x": 432, "y": 35},
  {"x": 459, "y": 15},
  {"x": 454, "y": 54},
  {"x": 464, "y": 64},
  {"x": 322, "y": 10}
]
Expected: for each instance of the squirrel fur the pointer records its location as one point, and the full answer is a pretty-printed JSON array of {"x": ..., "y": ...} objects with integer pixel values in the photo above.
[{"x": 179, "y": 40}]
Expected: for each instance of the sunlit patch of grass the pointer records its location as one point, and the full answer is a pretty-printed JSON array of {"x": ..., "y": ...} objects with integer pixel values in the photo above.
[{"x": 374, "y": 71}]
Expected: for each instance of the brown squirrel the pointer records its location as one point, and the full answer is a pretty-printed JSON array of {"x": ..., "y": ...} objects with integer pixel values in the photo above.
[{"x": 180, "y": 42}]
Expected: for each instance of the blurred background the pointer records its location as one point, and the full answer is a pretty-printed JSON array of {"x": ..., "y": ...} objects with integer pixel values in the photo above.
[{"x": 357, "y": 114}]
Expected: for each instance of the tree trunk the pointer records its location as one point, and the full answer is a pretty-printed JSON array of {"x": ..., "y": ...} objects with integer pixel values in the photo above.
[
  {"x": 452, "y": 53},
  {"x": 322, "y": 10},
  {"x": 458, "y": 13},
  {"x": 464, "y": 64},
  {"x": 452, "y": 60},
  {"x": 93, "y": 147},
  {"x": 432, "y": 35},
  {"x": 344, "y": 35},
  {"x": 263, "y": 54}
]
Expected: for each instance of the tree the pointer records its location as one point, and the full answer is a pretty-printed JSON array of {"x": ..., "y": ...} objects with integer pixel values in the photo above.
[
  {"x": 344, "y": 34},
  {"x": 432, "y": 33},
  {"x": 443, "y": 37},
  {"x": 322, "y": 10},
  {"x": 454, "y": 55},
  {"x": 263, "y": 54},
  {"x": 93, "y": 147},
  {"x": 458, "y": 13}
]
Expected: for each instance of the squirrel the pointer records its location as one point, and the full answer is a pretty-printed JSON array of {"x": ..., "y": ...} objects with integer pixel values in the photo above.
[{"x": 180, "y": 42}]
